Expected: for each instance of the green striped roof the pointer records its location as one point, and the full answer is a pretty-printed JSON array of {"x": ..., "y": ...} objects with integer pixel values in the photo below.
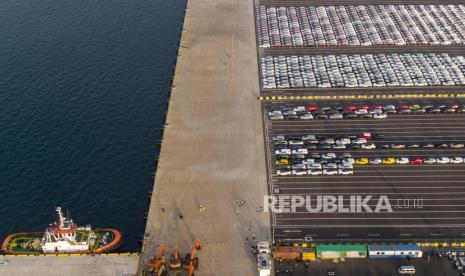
[{"x": 341, "y": 247}]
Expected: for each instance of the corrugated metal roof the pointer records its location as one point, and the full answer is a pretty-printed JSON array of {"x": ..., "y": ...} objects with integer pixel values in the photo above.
[
  {"x": 405, "y": 247},
  {"x": 380, "y": 247}
]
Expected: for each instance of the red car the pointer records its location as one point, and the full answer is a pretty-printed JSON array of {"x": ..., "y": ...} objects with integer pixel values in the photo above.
[
  {"x": 377, "y": 107},
  {"x": 365, "y": 135},
  {"x": 454, "y": 106},
  {"x": 416, "y": 161},
  {"x": 403, "y": 106},
  {"x": 311, "y": 108},
  {"x": 364, "y": 107},
  {"x": 351, "y": 107}
]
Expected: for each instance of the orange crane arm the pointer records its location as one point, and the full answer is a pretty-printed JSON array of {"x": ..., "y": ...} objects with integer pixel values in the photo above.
[{"x": 191, "y": 264}]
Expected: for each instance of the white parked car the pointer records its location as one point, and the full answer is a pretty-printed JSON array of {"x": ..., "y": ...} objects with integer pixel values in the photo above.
[
  {"x": 278, "y": 138},
  {"x": 429, "y": 160},
  {"x": 315, "y": 166},
  {"x": 338, "y": 146},
  {"x": 328, "y": 155},
  {"x": 369, "y": 146},
  {"x": 282, "y": 151},
  {"x": 299, "y": 172},
  {"x": 296, "y": 142},
  {"x": 349, "y": 160},
  {"x": 330, "y": 171},
  {"x": 456, "y": 160},
  {"x": 300, "y": 151},
  {"x": 346, "y": 171},
  {"x": 443, "y": 160},
  {"x": 308, "y": 137},
  {"x": 402, "y": 160},
  {"x": 345, "y": 165},
  {"x": 359, "y": 141},
  {"x": 314, "y": 172},
  {"x": 308, "y": 161},
  {"x": 328, "y": 141},
  {"x": 380, "y": 116},
  {"x": 283, "y": 172},
  {"x": 361, "y": 111},
  {"x": 374, "y": 161},
  {"x": 306, "y": 116},
  {"x": 343, "y": 141},
  {"x": 330, "y": 166},
  {"x": 299, "y": 167},
  {"x": 299, "y": 108}
]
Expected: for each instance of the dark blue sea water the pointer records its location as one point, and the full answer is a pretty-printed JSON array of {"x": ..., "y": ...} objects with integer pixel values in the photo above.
[{"x": 83, "y": 92}]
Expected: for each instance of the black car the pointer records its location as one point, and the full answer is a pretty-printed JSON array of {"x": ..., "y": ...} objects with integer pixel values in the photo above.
[
  {"x": 351, "y": 116},
  {"x": 311, "y": 142},
  {"x": 442, "y": 146},
  {"x": 321, "y": 117},
  {"x": 377, "y": 136},
  {"x": 366, "y": 116},
  {"x": 283, "y": 167},
  {"x": 354, "y": 146},
  {"x": 324, "y": 147},
  {"x": 384, "y": 146},
  {"x": 279, "y": 142}
]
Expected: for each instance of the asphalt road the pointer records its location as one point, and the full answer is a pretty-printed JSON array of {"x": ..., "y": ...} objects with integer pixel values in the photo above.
[
  {"x": 364, "y": 267},
  {"x": 427, "y": 201}
]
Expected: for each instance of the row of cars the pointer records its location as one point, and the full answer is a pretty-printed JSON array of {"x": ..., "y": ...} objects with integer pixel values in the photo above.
[
  {"x": 331, "y": 164},
  {"x": 375, "y": 111},
  {"x": 409, "y": 160},
  {"x": 360, "y": 111},
  {"x": 302, "y": 145},
  {"x": 316, "y": 164},
  {"x": 362, "y": 70},
  {"x": 303, "y": 114},
  {"x": 362, "y": 25}
]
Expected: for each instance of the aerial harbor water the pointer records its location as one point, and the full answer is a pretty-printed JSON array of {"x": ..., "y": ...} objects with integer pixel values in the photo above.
[{"x": 83, "y": 92}]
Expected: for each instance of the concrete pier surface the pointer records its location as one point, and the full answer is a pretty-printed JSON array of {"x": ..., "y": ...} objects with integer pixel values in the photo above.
[
  {"x": 100, "y": 265},
  {"x": 211, "y": 175}
]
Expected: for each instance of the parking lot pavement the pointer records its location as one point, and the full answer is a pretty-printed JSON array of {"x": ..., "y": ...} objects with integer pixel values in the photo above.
[
  {"x": 427, "y": 201},
  {"x": 436, "y": 266}
]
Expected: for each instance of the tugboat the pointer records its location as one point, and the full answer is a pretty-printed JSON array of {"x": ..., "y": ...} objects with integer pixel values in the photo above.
[{"x": 62, "y": 236}]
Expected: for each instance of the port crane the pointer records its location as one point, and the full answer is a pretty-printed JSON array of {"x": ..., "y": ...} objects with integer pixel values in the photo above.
[
  {"x": 157, "y": 264},
  {"x": 175, "y": 260},
  {"x": 191, "y": 262}
]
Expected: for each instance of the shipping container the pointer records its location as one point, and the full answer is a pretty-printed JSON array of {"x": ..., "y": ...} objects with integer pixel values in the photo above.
[
  {"x": 381, "y": 251},
  {"x": 407, "y": 251},
  {"x": 287, "y": 253},
  {"x": 308, "y": 254}
]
